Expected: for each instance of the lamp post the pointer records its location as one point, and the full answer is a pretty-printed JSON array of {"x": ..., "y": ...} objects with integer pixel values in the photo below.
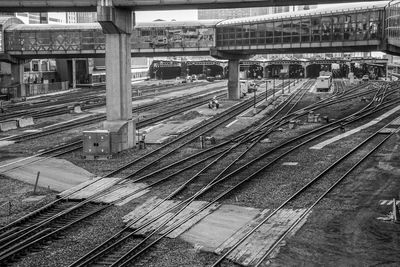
[
  {"x": 273, "y": 90},
  {"x": 283, "y": 84},
  {"x": 266, "y": 90},
  {"x": 254, "y": 90}
]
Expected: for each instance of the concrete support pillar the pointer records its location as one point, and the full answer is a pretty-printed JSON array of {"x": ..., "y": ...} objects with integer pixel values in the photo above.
[
  {"x": 74, "y": 73},
  {"x": 265, "y": 72},
  {"x": 224, "y": 69},
  {"x": 305, "y": 70},
  {"x": 118, "y": 77},
  {"x": 234, "y": 79},
  {"x": 17, "y": 78},
  {"x": 117, "y": 24}
]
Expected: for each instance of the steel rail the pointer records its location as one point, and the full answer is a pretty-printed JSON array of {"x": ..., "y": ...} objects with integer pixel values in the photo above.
[
  {"x": 186, "y": 202},
  {"x": 286, "y": 232}
]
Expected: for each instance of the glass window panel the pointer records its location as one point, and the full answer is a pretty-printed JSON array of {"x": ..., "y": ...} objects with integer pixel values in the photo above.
[
  {"x": 305, "y": 29},
  {"x": 246, "y": 32},
  {"x": 269, "y": 29},
  {"x": 269, "y": 40},
  {"x": 296, "y": 24},
  {"x": 374, "y": 15},
  {"x": 337, "y": 29},
  {"x": 373, "y": 30},
  {"x": 253, "y": 29},
  {"x": 326, "y": 28},
  {"x": 261, "y": 30},
  {"x": 278, "y": 32},
  {"x": 316, "y": 29},
  {"x": 287, "y": 28},
  {"x": 359, "y": 31},
  {"x": 348, "y": 29}
]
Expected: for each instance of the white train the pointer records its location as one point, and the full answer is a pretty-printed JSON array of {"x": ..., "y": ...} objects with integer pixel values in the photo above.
[
  {"x": 324, "y": 82},
  {"x": 138, "y": 74}
]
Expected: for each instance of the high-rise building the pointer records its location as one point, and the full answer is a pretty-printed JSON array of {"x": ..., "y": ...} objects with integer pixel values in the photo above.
[
  {"x": 71, "y": 17},
  {"x": 81, "y": 17},
  {"x": 41, "y": 18},
  {"x": 248, "y": 12}
]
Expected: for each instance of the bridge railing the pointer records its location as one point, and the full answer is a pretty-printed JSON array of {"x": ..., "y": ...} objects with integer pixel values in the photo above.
[
  {"x": 54, "y": 41},
  {"x": 31, "y": 89},
  {"x": 172, "y": 37}
]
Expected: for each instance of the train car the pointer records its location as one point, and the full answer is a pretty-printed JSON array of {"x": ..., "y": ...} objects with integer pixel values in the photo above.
[
  {"x": 324, "y": 83},
  {"x": 138, "y": 74}
]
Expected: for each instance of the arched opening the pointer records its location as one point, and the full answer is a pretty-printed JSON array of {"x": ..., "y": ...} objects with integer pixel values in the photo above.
[
  {"x": 296, "y": 71},
  {"x": 255, "y": 71},
  {"x": 208, "y": 70},
  {"x": 340, "y": 70},
  {"x": 274, "y": 70},
  {"x": 313, "y": 70}
]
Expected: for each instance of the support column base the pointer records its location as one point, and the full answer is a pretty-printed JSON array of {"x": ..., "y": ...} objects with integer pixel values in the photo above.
[{"x": 122, "y": 134}]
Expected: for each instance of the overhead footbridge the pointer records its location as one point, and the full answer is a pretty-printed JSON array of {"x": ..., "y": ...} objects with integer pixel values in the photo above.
[
  {"x": 140, "y": 5},
  {"x": 352, "y": 27}
]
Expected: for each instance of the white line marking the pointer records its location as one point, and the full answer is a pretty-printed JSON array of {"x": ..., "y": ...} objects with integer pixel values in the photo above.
[
  {"x": 64, "y": 122},
  {"x": 230, "y": 124},
  {"x": 362, "y": 127}
]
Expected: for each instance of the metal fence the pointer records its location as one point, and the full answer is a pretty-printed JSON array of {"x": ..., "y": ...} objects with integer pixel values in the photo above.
[{"x": 9, "y": 92}]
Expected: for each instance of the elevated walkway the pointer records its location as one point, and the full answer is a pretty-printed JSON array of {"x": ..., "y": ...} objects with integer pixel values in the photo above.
[{"x": 351, "y": 27}]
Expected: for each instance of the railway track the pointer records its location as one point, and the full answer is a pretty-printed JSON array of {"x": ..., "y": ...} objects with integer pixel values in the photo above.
[
  {"x": 34, "y": 233},
  {"x": 62, "y": 105},
  {"x": 14, "y": 248},
  {"x": 309, "y": 190},
  {"x": 198, "y": 98},
  {"x": 128, "y": 255}
]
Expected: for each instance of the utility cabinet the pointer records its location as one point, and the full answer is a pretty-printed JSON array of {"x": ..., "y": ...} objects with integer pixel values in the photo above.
[{"x": 97, "y": 144}]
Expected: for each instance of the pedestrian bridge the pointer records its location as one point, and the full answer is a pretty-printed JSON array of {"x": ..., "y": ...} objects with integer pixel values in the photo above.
[
  {"x": 137, "y": 5},
  {"x": 372, "y": 26}
]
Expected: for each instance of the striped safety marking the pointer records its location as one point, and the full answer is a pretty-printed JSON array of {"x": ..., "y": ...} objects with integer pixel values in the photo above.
[{"x": 388, "y": 202}]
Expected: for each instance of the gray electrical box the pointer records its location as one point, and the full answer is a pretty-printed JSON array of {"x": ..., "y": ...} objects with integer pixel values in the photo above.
[{"x": 97, "y": 144}]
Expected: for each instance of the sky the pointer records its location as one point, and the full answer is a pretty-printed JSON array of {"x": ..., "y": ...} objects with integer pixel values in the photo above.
[{"x": 179, "y": 15}]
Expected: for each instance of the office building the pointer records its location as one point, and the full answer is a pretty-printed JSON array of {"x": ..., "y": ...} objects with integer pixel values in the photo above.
[
  {"x": 81, "y": 17},
  {"x": 248, "y": 12}
]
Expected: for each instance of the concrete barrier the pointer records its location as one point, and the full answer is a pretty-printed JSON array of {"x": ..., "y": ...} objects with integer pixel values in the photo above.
[
  {"x": 8, "y": 125},
  {"x": 25, "y": 121}
]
